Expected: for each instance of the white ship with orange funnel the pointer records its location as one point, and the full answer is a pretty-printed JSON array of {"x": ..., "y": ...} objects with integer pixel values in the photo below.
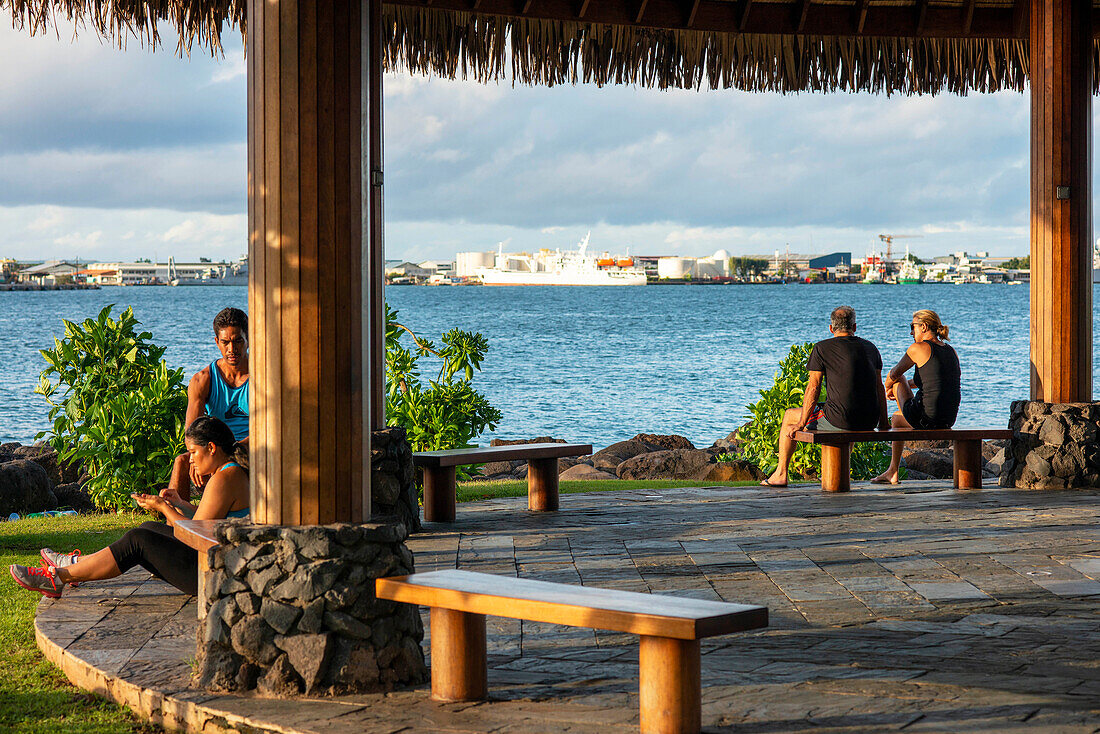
[{"x": 555, "y": 267}]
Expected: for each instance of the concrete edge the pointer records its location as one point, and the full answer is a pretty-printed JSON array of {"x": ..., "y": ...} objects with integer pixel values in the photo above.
[{"x": 171, "y": 710}]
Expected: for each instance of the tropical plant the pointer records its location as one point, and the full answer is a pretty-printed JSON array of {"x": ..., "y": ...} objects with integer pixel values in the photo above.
[
  {"x": 116, "y": 408},
  {"x": 760, "y": 436},
  {"x": 441, "y": 413}
]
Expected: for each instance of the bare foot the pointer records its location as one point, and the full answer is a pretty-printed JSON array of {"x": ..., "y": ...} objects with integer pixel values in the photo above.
[
  {"x": 775, "y": 480},
  {"x": 887, "y": 477}
]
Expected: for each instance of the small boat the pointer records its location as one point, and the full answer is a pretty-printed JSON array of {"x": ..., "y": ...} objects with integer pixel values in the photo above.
[{"x": 625, "y": 262}]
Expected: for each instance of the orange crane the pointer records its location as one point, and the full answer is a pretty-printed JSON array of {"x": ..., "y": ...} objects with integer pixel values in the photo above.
[{"x": 889, "y": 240}]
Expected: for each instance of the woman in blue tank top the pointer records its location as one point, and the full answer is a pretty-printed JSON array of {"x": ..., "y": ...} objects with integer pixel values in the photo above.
[{"x": 152, "y": 544}]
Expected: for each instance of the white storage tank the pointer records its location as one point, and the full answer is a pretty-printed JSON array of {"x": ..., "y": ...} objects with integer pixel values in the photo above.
[
  {"x": 467, "y": 263},
  {"x": 675, "y": 267}
]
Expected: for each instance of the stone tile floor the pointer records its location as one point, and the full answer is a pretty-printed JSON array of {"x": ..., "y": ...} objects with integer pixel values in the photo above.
[{"x": 923, "y": 609}]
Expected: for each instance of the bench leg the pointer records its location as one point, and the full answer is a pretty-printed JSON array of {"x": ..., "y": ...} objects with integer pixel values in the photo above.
[
  {"x": 439, "y": 494},
  {"x": 670, "y": 694},
  {"x": 459, "y": 665},
  {"x": 542, "y": 484},
  {"x": 968, "y": 464},
  {"x": 836, "y": 471},
  {"x": 204, "y": 570}
]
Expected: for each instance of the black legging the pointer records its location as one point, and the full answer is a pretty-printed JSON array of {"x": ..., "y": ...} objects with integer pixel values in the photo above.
[{"x": 152, "y": 546}]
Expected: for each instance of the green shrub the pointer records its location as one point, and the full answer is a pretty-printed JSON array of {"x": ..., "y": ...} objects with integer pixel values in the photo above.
[
  {"x": 444, "y": 413},
  {"x": 116, "y": 407},
  {"x": 760, "y": 437}
]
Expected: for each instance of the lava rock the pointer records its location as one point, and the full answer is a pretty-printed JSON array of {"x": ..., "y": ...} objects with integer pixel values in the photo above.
[
  {"x": 938, "y": 463},
  {"x": 74, "y": 495},
  {"x": 670, "y": 442},
  {"x": 24, "y": 488},
  {"x": 609, "y": 459},
  {"x": 734, "y": 471},
  {"x": 584, "y": 472},
  {"x": 677, "y": 464}
]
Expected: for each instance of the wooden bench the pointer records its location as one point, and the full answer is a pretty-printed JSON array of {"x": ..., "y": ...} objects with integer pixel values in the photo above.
[
  {"x": 836, "y": 451},
  {"x": 542, "y": 473},
  {"x": 670, "y": 630}
]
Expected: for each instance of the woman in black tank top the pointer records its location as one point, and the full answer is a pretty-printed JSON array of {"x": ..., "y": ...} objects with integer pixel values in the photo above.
[{"x": 937, "y": 378}]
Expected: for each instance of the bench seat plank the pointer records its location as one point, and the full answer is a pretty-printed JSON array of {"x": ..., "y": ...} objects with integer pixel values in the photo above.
[
  {"x": 655, "y": 615},
  {"x": 480, "y": 454},
  {"x": 902, "y": 434},
  {"x": 198, "y": 534}
]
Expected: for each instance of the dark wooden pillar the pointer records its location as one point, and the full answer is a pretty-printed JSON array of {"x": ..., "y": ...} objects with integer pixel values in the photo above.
[
  {"x": 377, "y": 257},
  {"x": 308, "y": 283},
  {"x": 1061, "y": 200}
]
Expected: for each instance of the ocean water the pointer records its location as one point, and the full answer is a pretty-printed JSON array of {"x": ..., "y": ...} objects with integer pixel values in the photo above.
[{"x": 588, "y": 364}]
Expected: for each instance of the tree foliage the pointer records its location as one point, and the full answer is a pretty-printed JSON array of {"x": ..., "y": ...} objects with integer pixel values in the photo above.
[
  {"x": 746, "y": 267},
  {"x": 441, "y": 413},
  {"x": 760, "y": 436},
  {"x": 116, "y": 407},
  {"x": 1018, "y": 263}
]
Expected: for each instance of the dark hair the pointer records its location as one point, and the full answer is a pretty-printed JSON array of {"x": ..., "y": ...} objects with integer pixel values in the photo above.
[
  {"x": 230, "y": 317},
  {"x": 207, "y": 429},
  {"x": 844, "y": 319}
]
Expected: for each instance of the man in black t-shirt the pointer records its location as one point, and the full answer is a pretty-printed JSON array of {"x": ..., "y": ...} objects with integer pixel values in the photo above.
[{"x": 855, "y": 397}]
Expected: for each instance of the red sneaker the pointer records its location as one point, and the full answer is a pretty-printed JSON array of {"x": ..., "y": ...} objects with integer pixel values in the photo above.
[
  {"x": 42, "y": 580},
  {"x": 53, "y": 559}
]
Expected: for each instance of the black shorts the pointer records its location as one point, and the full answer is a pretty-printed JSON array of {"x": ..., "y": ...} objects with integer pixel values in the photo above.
[{"x": 913, "y": 410}]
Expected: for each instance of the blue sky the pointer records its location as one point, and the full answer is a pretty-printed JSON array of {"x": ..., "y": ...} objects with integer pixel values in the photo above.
[{"x": 108, "y": 154}]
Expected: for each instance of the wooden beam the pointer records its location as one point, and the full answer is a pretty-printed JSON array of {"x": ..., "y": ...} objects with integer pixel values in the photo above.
[
  {"x": 641, "y": 12},
  {"x": 922, "y": 14},
  {"x": 803, "y": 9},
  {"x": 968, "y": 18},
  {"x": 755, "y": 16},
  {"x": 691, "y": 14},
  {"x": 1021, "y": 13},
  {"x": 860, "y": 16},
  {"x": 526, "y": 7}
]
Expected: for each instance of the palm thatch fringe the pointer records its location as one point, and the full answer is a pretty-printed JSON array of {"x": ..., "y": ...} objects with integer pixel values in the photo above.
[
  {"x": 195, "y": 21},
  {"x": 533, "y": 51}
]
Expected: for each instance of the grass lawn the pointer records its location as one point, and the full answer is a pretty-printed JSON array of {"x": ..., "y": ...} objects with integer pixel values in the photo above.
[
  {"x": 34, "y": 695},
  {"x": 486, "y": 490}
]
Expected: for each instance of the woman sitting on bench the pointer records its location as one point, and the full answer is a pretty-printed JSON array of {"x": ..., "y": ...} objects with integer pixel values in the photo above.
[
  {"x": 152, "y": 545},
  {"x": 937, "y": 379}
]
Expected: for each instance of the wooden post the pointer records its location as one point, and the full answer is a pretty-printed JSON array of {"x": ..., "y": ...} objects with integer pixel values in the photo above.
[
  {"x": 968, "y": 464},
  {"x": 309, "y": 423},
  {"x": 460, "y": 665},
  {"x": 836, "y": 472},
  {"x": 669, "y": 685},
  {"x": 439, "y": 494},
  {"x": 542, "y": 484},
  {"x": 1061, "y": 200},
  {"x": 376, "y": 323}
]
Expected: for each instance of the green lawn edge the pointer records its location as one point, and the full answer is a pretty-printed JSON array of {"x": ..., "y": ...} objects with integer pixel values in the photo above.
[{"x": 473, "y": 491}]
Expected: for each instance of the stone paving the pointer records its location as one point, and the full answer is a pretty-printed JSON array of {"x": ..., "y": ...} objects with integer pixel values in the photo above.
[{"x": 923, "y": 609}]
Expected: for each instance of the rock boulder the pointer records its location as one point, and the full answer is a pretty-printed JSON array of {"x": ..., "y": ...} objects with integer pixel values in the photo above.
[
  {"x": 668, "y": 443},
  {"x": 24, "y": 487},
  {"x": 609, "y": 459},
  {"x": 734, "y": 471},
  {"x": 677, "y": 464},
  {"x": 938, "y": 463},
  {"x": 584, "y": 472},
  {"x": 75, "y": 496}
]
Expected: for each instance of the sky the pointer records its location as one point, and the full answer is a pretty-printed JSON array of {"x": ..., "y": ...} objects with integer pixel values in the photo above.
[{"x": 114, "y": 155}]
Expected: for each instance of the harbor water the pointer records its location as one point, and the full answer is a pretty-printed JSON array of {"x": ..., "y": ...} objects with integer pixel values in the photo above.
[{"x": 587, "y": 364}]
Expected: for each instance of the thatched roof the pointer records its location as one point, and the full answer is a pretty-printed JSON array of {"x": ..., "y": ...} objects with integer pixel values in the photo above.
[{"x": 892, "y": 46}]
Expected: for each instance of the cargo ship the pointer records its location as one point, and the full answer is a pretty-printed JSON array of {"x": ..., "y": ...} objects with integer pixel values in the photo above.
[{"x": 557, "y": 267}]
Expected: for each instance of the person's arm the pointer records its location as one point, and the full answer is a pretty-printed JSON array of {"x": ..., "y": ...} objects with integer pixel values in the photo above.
[
  {"x": 217, "y": 498},
  {"x": 156, "y": 503},
  {"x": 809, "y": 400},
  {"x": 897, "y": 372},
  {"x": 883, "y": 406},
  {"x": 198, "y": 392}
]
